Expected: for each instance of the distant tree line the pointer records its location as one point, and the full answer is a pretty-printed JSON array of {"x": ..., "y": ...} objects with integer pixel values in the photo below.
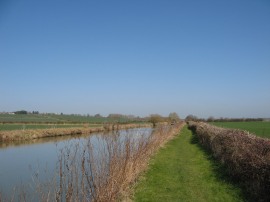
[
  {"x": 21, "y": 112},
  {"x": 156, "y": 118},
  {"x": 153, "y": 118},
  {"x": 172, "y": 118},
  {"x": 212, "y": 119},
  {"x": 25, "y": 112}
]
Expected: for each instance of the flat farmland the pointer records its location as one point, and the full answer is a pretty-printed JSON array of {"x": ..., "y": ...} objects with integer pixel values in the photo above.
[
  {"x": 54, "y": 118},
  {"x": 28, "y": 118},
  {"x": 259, "y": 128},
  {"x": 49, "y": 121}
]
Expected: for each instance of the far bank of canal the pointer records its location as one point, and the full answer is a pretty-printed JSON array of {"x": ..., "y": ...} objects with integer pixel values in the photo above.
[{"x": 24, "y": 135}]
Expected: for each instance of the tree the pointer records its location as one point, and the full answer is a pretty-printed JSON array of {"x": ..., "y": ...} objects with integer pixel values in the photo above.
[
  {"x": 191, "y": 118},
  {"x": 98, "y": 116},
  {"x": 211, "y": 119},
  {"x": 20, "y": 112},
  {"x": 155, "y": 118},
  {"x": 173, "y": 117}
]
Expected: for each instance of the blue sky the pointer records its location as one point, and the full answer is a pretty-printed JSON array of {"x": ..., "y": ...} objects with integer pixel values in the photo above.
[{"x": 207, "y": 58}]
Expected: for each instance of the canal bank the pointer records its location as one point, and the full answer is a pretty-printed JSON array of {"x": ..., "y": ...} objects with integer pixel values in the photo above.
[
  {"x": 23, "y": 135},
  {"x": 113, "y": 159}
]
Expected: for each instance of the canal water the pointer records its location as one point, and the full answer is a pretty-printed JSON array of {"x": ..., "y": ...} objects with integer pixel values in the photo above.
[{"x": 22, "y": 162}]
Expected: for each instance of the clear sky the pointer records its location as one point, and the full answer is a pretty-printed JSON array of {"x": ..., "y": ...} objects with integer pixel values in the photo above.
[{"x": 207, "y": 58}]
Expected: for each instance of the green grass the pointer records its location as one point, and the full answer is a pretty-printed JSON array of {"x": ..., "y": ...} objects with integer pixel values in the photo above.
[
  {"x": 45, "y": 121},
  {"x": 182, "y": 171},
  {"x": 54, "y": 118},
  {"x": 29, "y": 118},
  {"x": 261, "y": 129}
]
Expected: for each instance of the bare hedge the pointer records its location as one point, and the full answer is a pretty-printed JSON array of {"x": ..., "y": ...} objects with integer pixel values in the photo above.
[{"x": 246, "y": 157}]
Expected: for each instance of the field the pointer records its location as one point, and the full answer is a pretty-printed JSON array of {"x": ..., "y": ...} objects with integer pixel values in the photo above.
[
  {"x": 53, "y": 118},
  {"x": 260, "y": 128},
  {"x": 42, "y": 121}
]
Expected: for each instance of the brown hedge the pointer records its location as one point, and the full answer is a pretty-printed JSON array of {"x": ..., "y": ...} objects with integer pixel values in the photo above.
[{"x": 246, "y": 157}]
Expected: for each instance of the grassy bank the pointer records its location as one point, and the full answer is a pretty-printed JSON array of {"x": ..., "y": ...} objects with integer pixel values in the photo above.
[
  {"x": 22, "y": 135},
  {"x": 13, "y": 126},
  {"x": 260, "y": 128},
  {"x": 182, "y": 171}
]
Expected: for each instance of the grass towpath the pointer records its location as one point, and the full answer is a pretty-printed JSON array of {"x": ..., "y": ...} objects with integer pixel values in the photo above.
[{"x": 182, "y": 171}]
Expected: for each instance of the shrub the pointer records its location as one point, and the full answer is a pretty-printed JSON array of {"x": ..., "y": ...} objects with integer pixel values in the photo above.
[{"x": 246, "y": 157}]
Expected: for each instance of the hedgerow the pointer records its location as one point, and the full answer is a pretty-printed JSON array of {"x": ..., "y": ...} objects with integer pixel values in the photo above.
[{"x": 246, "y": 157}]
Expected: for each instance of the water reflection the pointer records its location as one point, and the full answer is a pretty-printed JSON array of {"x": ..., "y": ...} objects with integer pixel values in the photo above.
[{"x": 20, "y": 160}]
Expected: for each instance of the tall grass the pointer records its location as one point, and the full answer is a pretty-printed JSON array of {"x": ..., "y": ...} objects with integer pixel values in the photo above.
[{"x": 102, "y": 173}]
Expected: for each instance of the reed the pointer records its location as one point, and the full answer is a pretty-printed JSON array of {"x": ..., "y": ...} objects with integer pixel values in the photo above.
[
  {"x": 106, "y": 173},
  {"x": 86, "y": 172}
]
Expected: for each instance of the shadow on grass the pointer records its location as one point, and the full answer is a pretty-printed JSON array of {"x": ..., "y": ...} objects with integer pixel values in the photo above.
[{"x": 220, "y": 171}]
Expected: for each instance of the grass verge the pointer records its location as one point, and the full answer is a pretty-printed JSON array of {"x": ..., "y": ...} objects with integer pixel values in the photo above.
[{"x": 183, "y": 171}]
